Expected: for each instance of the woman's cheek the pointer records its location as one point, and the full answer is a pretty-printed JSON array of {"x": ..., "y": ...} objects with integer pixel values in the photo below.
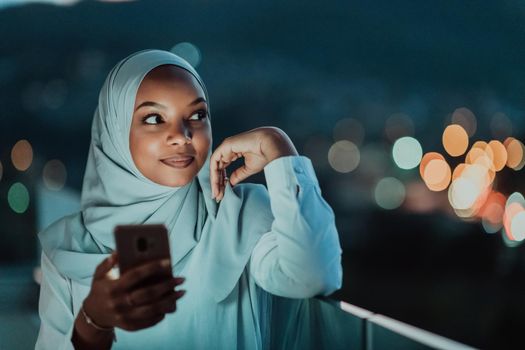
[{"x": 151, "y": 146}]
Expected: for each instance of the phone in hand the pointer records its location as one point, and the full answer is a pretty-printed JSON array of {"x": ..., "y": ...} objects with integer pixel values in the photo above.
[{"x": 138, "y": 244}]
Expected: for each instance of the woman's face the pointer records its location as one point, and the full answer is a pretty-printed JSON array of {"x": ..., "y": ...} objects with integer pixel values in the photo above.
[{"x": 170, "y": 132}]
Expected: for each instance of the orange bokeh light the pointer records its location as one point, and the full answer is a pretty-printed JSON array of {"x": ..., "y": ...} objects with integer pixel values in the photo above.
[
  {"x": 437, "y": 175},
  {"x": 515, "y": 153},
  {"x": 426, "y": 159},
  {"x": 455, "y": 140},
  {"x": 500, "y": 154},
  {"x": 22, "y": 155}
]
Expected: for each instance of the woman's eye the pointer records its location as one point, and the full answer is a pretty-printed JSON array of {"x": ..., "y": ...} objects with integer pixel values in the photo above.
[
  {"x": 152, "y": 119},
  {"x": 199, "y": 114}
]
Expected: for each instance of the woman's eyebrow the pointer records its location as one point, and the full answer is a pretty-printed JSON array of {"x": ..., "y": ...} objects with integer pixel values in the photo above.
[
  {"x": 156, "y": 104},
  {"x": 150, "y": 104},
  {"x": 198, "y": 100}
]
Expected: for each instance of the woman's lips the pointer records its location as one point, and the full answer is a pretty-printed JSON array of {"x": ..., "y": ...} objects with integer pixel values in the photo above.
[{"x": 178, "y": 163}]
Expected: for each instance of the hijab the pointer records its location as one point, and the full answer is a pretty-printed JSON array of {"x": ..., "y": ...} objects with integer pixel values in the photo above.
[{"x": 115, "y": 192}]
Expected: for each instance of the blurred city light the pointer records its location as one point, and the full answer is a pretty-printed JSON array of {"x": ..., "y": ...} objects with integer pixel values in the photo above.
[
  {"x": 517, "y": 225},
  {"x": 389, "y": 193},
  {"x": 407, "y": 152},
  {"x": 189, "y": 52},
  {"x": 514, "y": 229},
  {"x": 455, "y": 140},
  {"x": 54, "y": 175},
  {"x": 22, "y": 155},
  {"x": 437, "y": 175},
  {"x": 499, "y": 152},
  {"x": 344, "y": 156},
  {"x": 18, "y": 198},
  {"x": 463, "y": 193},
  {"x": 515, "y": 153},
  {"x": 464, "y": 117}
]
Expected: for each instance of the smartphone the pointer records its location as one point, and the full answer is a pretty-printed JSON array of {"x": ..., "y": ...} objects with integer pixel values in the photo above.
[{"x": 138, "y": 244}]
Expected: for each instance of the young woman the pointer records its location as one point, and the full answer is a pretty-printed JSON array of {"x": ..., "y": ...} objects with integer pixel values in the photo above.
[{"x": 233, "y": 246}]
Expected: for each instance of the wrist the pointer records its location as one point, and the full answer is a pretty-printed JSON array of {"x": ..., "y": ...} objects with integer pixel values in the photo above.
[{"x": 87, "y": 330}]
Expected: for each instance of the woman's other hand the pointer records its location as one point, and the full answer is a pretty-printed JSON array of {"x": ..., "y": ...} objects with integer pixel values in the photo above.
[
  {"x": 258, "y": 147},
  {"x": 124, "y": 303}
]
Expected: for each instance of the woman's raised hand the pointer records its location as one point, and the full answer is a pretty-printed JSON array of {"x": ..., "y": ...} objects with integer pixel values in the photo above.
[
  {"x": 124, "y": 303},
  {"x": 258, "y": 147}
]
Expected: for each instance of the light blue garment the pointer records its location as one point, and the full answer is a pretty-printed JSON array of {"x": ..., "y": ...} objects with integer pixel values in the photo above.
[{"x": 234, "y": 255}]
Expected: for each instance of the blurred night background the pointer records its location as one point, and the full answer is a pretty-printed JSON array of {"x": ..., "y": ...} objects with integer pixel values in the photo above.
[{"x": 412, "y": 113}]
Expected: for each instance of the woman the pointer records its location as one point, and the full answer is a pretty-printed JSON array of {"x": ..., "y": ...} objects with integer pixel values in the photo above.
[{"x": 236, "y": 245}]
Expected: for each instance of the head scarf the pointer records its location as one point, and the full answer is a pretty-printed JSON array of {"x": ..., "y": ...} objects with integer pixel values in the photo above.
[{"x": 115, "y": 192}]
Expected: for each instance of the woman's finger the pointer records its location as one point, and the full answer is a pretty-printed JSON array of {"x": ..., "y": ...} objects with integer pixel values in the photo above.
[
  {"x": 148, "y": 294},
  {"x": 239, "y": 175},
  {"x": 133, "y": 277},
  {"x": 105, "y": 266},
  {"x": 167, "y": 304}
]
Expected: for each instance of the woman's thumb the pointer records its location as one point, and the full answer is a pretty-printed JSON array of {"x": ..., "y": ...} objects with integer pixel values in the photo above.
[{"x": 106, "y": 265}]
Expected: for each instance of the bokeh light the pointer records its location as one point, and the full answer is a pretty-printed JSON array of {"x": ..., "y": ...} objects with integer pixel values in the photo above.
[
  {"x": 189, "y": 52},
  {"x": 517, "y": 226},
  {"x": 398, "y": 125},
  {"x": 22, "y": 155},
  {"x": 389, "y": 193},
  {"x": 499, "y": 154},
  {"x": 515, "y": 153},
  {"x": 426, "y": 159},
  {"x": 407, "y": 152},
  {"x": 437, "y": 175},
  {"x": 458, "y": 170},
  {"x": 455, "y": 140},
  {"x": 18, "y": 198},
  {"x": 492, "y": 212},
  {"x": 54, "y": 175},
  {"x": 515, "y": 197},
  {"x": 344, "y": 156},
  {"x": 463, "y": 193},
  {"x": 464, "y": 117},
  {"x": 349, "y": 129},
  {"x": 513, "y": 230}
]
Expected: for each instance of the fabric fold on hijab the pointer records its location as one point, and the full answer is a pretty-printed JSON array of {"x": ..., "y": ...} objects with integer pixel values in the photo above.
[{"x": 114, "y": 192}]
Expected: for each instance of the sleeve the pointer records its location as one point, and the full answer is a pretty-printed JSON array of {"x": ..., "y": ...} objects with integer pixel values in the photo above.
[
  {"x": 54, "y": 309},
  {"x": 301, "y": 256}
]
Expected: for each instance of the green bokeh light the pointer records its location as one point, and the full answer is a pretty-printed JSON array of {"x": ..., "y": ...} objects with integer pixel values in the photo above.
[{"x": 18, "y": 198}]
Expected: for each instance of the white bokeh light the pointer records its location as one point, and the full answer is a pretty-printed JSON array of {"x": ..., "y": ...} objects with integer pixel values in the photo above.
[{"x": 407, "y": 152}]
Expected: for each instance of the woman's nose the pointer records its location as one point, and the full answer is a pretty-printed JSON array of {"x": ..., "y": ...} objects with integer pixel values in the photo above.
[{"x": 179, "y": 134}]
